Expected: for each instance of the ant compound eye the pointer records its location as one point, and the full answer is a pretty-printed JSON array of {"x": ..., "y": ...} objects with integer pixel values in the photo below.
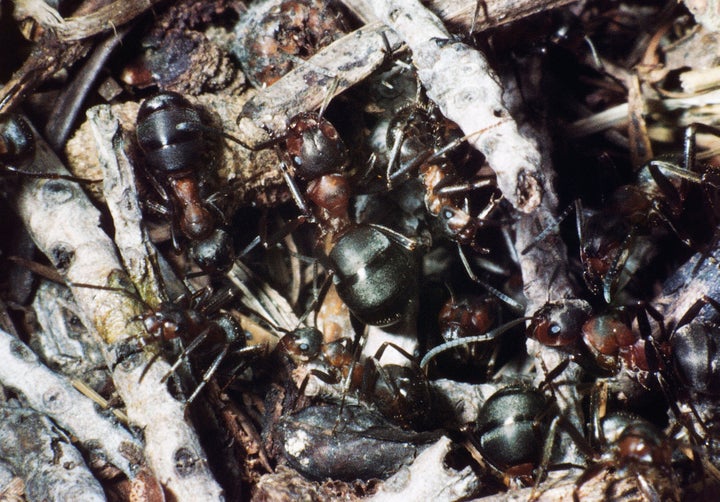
[
  {"x": 558, "y": 324},
  {"x": 448, "y": 214},
  {"x": 304, "y": 347}
]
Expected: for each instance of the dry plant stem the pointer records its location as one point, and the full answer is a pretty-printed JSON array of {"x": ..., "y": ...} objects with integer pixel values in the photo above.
[
  {"x": 461, "y": 12},
  {"x": 353, "y": 58},
  {"x": 460, "y": 81},
  {"x": 137, "y": 252},
  {"x": 54, "y": 396},
  {"x": 103, "y": 19},
  {"x": 39, "y": 453},
  {"x": 65, "y": 226},
  {"x": 427, "y": 478},
  {"x": 67, "y": 106}
]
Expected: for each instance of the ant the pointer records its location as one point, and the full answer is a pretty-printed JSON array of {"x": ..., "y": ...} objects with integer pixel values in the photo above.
[
  {"x": 399, "y": 392},
  {"x": 210, "y": 335},
  {"x": 409, "y": 133},
  {"x": 604, "y": 343},
  {"x": 629, "y": 445},
  {"x": 18, "y": 146},
  {"x": 609, "y": 237},
  {"x": 170, "y": 133},
  {"x": 373, "y": 266}
]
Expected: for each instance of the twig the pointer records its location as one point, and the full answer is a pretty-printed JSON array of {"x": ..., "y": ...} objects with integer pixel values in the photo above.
[
  {"x": 137, "y": 252},
  {"x": 106, "y": 18},
  {"x": 52, "y": 395},
  {"x": 44, "y": 457},
  {"x": 84, "y": 254}
]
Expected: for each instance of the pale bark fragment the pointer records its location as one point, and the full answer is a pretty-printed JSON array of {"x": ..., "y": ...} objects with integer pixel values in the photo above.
[
  {"x": 427, "y": 478},
  {"x": 137, "y": 252},
  {"x": 65, "y": 226},
  {"x": 38, "y": 452},
  {"x": 54, "y": 396}
]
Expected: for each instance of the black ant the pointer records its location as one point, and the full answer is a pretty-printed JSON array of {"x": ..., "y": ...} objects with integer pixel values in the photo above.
[
  {"x": 18, "y": 147},
  {"x": 170, "y": 134},
  {"x": 608, "y": 238}
]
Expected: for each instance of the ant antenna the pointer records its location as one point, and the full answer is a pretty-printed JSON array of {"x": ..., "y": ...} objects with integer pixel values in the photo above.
[{"x": 490, "y": 335}]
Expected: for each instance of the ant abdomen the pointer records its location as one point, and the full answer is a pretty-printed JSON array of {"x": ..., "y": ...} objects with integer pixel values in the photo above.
[{"x": 168, "y": 132}]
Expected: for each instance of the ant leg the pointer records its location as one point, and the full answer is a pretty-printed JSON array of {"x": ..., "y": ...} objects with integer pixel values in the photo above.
[
  {"x": 695, "y": 309},
  {"x": 266, "y": 242},
  {"x": 356, "y": 350},
  {"x": 47, "y": 176},
  {"x": 689, "y": 144},
  {"x": 613, "y": 276},
  {"x": 445, "y": 186},
  {"x": 209, "y": 373},
  {"x": 381, "y": 350},
  {"x": 183, "y": 355},
  {"x": 514, "y": 305},
  {"x": 552, "y": 227}
]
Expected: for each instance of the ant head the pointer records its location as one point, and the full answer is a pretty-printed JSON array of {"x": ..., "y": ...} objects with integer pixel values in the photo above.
[
  {"x": 558, "y": 324},
  {"x": 467, "y": 316},
  {"x": 302, "y": 344},
  {"x": 17, "y": 142},
  {"x": 314, "y": 146}
]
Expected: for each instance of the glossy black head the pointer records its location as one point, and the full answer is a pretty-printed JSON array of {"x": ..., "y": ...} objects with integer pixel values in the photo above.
[
  {"x": 17, "y": 142},
  {"x": 315, "y": 147},
  {"x": 375, "y": 276},
  {"x": 214, "y": 254},
  {"x": 511, "y": 427},
  {"x": 168, "y": 132},
  {"x": 696, "y": 357}
]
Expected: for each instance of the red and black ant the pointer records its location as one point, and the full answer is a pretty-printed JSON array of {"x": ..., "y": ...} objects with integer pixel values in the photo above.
[
  {"x": 420, "y": 139},
  {"x": 170, "y": 134},
  {"x": 373, "y": 267},
  {"x": 211, "y": 336},
  {"x": 609, "y": 238}
]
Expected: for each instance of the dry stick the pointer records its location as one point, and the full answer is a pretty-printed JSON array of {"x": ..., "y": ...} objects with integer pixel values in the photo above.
[
  {"x": 44, "y": 457},
  {"x": 137, "y": 252},
  {"x": 460, "y": 81},
  {"x": 53, "y": 395},
  {"x": 351, "y": 59},
  {"x": 65, "y": 226},
  {"x": 106, "y": 18}
]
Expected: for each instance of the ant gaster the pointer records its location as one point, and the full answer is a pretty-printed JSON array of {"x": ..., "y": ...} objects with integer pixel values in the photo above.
[
  {"x": 373, "y": 267},
  {"x": 18, "y": 146},
  {"x": 170, "y": 134}
]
